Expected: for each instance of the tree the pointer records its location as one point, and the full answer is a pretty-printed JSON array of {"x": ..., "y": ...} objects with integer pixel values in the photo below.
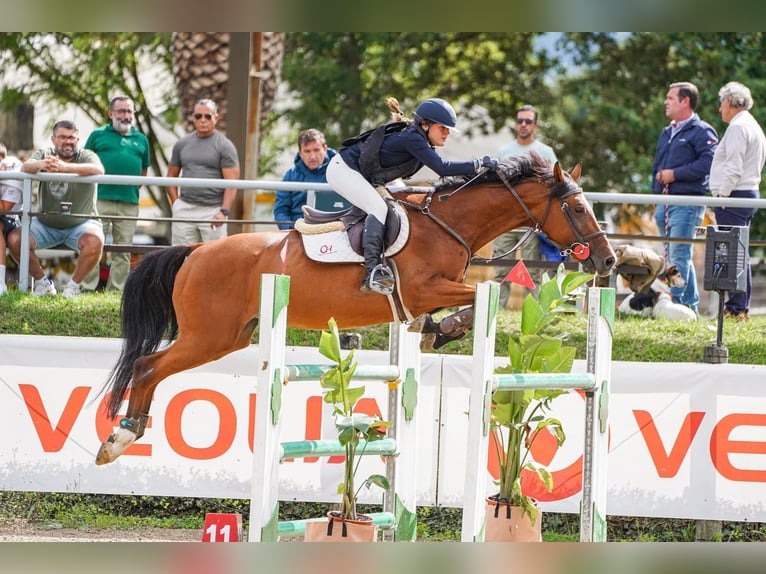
[
  {"x": 86, "y": 70},
  {"x": 612, "y": 97},
  {"x": 342, "y": 80}
]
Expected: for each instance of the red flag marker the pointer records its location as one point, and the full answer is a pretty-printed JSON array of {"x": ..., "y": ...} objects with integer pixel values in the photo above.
[{"x": 520, "y": 275}]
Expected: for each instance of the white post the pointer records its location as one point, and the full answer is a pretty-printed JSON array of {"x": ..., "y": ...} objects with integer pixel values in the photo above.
[
  {"x": 601, "y": 303},
  {"x": 484, "y": 325},
  {"x": 404, "y": 348},
  {"x": 264, "y": 503}
]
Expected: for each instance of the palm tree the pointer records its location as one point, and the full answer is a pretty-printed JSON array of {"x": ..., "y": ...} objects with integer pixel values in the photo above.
[{"x": 201, "y": 69}]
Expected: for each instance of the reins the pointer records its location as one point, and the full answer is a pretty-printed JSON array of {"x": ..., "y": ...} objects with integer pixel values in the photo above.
[
  {"x": 579, "y": 250},
  {"x": 425, "y": 210},
  {"x": 530, "y": 230}
]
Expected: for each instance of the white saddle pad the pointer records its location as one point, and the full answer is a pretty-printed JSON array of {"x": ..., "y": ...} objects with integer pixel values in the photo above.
[{"x": 328, "y": 243}]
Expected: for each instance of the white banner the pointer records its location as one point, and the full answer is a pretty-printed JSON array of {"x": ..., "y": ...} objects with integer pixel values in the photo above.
[{"x": 687, "y": 439}]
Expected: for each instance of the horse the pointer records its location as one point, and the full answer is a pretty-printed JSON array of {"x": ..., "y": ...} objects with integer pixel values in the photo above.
[{"x": 204, "y": 298}]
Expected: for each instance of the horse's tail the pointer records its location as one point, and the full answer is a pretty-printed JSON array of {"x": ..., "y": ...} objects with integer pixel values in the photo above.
[{"x": 147, "y": 314}]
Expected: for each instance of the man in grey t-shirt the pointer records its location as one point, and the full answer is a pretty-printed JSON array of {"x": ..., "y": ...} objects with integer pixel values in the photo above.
[
  {"x": 208, "y": 154},
  {"x": 525, "y": 142}
]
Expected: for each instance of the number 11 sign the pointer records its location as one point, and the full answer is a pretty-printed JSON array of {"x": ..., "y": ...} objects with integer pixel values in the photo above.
[{"x": 222, "y": 528}]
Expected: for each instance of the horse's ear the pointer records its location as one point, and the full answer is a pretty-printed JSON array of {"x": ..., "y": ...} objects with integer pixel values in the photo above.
[
  {"x": 557, "y": 172},
  {"x": 576, "y": 172}
]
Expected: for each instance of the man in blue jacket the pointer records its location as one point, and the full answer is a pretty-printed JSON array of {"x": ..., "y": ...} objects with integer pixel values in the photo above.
[
  {"x": 310, "y": 166},
  {"x": 682, "y": 167}
]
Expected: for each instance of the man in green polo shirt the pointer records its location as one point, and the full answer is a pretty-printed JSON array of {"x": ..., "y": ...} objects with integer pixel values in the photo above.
[{"x": 124, "y": 151}]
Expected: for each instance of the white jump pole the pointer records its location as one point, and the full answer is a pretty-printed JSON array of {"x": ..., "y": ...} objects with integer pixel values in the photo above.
[
  {"x": 595, "y": 383},
  {"x": 479, "y": 403},
  {"x": 264, "y": 502},
  {"x": 601, "y": 304},
  {"x": 403, "y": 376},
  {"x": 404, "y": 349}
]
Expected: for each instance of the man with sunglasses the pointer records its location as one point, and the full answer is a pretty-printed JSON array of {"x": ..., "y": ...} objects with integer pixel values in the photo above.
[
  {"x": 205, "y": 153},
  {"x": 525, "y": 142}
]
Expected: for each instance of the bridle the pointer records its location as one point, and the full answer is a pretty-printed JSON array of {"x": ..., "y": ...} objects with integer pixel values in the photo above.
[{"x": 579, "y": 250}]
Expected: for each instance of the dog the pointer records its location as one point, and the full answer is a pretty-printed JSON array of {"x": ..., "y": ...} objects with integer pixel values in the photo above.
[
  {"x": 664, "y": 308},
  {"x": 656, "y": 301}
]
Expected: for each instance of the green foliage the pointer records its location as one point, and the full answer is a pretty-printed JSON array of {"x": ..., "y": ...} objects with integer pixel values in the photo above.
[
  {"x": 352, "y": 427},
  {"x": 87, "y": 69},
  {"x": 519, "y": 416},
  {"x": 612, "y": 98},
  {"x": 343, "y": 79}
]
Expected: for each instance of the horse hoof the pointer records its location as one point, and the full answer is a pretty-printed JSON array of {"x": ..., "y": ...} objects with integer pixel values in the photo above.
[
  {"x": 114, "y": 446},
  {"x": 417, "y": 325},
  {"x": 427, "y": 342},
  {"x": 441, "y": 339}
]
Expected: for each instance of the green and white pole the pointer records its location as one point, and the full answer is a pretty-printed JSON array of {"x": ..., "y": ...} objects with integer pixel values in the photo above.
[{"x": 264, "y": 502}]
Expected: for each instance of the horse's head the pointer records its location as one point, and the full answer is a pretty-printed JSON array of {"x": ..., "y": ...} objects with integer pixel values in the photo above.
[{"x": 574, "y": 227}]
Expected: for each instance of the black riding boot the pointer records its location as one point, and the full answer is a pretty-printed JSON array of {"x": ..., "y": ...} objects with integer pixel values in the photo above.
[{"x": 378, "y": 277}]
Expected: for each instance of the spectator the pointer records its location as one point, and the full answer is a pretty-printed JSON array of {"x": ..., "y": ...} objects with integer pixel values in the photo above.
[
  {"x": 736, "y": 172},
  {"x": 123, "y": 150},
  {"x": 682, "y": 167},
  {"x": 58, "y": 201},
  {"x": 311, "y": 163},
  {"x": 384, "y": 156},
  {"x": 10, "y": 196},
  {"x": 525, "y": 142},
  {"x": 208, "y": 154}
]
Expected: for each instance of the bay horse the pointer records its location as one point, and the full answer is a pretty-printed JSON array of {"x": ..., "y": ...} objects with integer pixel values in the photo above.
[{"x": 206, "y": 296}]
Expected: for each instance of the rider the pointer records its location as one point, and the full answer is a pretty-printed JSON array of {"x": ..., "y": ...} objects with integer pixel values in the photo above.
[{"x": 401, "y": 154}]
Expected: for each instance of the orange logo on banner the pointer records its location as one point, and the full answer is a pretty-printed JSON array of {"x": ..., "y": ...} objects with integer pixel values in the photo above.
[{"x": 519, "y": 274}]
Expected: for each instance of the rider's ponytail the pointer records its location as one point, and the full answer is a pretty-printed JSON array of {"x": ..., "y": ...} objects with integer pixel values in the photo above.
[{"x": 396, "y": 112}]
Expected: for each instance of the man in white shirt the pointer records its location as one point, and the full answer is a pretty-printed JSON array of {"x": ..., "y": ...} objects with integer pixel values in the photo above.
[
  {"x": 736, "y": 172},
  {"x": 525, "y": 142}
]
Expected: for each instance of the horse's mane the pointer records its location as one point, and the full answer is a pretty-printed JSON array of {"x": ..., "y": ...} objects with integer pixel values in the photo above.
[{"x": 515, "y": 169}]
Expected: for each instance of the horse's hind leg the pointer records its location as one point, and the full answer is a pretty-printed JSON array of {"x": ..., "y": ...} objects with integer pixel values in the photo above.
[
  {"x": 186, "y": 353},
  {"x": 146, "y": 377}
]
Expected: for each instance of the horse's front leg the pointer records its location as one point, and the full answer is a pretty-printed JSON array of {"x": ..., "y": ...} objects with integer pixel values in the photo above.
[{"x": 451, "y": 328}]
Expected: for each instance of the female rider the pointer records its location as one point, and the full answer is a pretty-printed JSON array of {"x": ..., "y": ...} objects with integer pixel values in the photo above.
[{"x": 356, "y": 169}]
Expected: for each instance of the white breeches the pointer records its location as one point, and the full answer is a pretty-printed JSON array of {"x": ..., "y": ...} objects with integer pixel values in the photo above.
[{"x": 355, "y": 188}]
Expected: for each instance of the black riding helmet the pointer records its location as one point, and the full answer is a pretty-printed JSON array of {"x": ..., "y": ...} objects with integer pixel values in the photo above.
[{"x": 438, "y": 111}]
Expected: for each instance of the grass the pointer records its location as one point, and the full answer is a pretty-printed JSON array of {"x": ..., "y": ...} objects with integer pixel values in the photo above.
[{"x": 635, "y": 339}]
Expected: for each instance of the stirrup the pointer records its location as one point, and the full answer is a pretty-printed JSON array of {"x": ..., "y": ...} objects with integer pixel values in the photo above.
[{"x": 381, "y": 280}]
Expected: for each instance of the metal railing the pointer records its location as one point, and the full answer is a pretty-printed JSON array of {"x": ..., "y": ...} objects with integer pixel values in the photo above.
[{"x": 273, "y": 185}]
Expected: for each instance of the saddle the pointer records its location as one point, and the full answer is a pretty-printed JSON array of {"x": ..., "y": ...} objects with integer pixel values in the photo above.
[{"x": 336, "y": 236}]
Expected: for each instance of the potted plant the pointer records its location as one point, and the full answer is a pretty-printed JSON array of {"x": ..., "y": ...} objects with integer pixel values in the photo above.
[
  {"x": 355, "y": 430},
  {"x": 519, "y": 416}
]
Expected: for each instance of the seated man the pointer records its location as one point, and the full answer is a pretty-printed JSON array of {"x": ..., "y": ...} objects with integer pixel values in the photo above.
[
  {"x": 58, "y": 200},
  {"x": 10, "y": 195}
]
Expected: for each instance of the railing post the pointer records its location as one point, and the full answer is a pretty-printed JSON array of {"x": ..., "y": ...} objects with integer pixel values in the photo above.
[{"x": 26, "y": 220}]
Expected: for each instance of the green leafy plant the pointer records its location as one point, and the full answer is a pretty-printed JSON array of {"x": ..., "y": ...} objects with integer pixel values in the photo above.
[
  {"x": 519, "y": 416},
  {"x": 353, "y": 428}
]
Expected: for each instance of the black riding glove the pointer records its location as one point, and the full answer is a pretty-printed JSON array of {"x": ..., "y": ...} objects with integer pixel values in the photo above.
[{"x": 489, "y": 163}]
